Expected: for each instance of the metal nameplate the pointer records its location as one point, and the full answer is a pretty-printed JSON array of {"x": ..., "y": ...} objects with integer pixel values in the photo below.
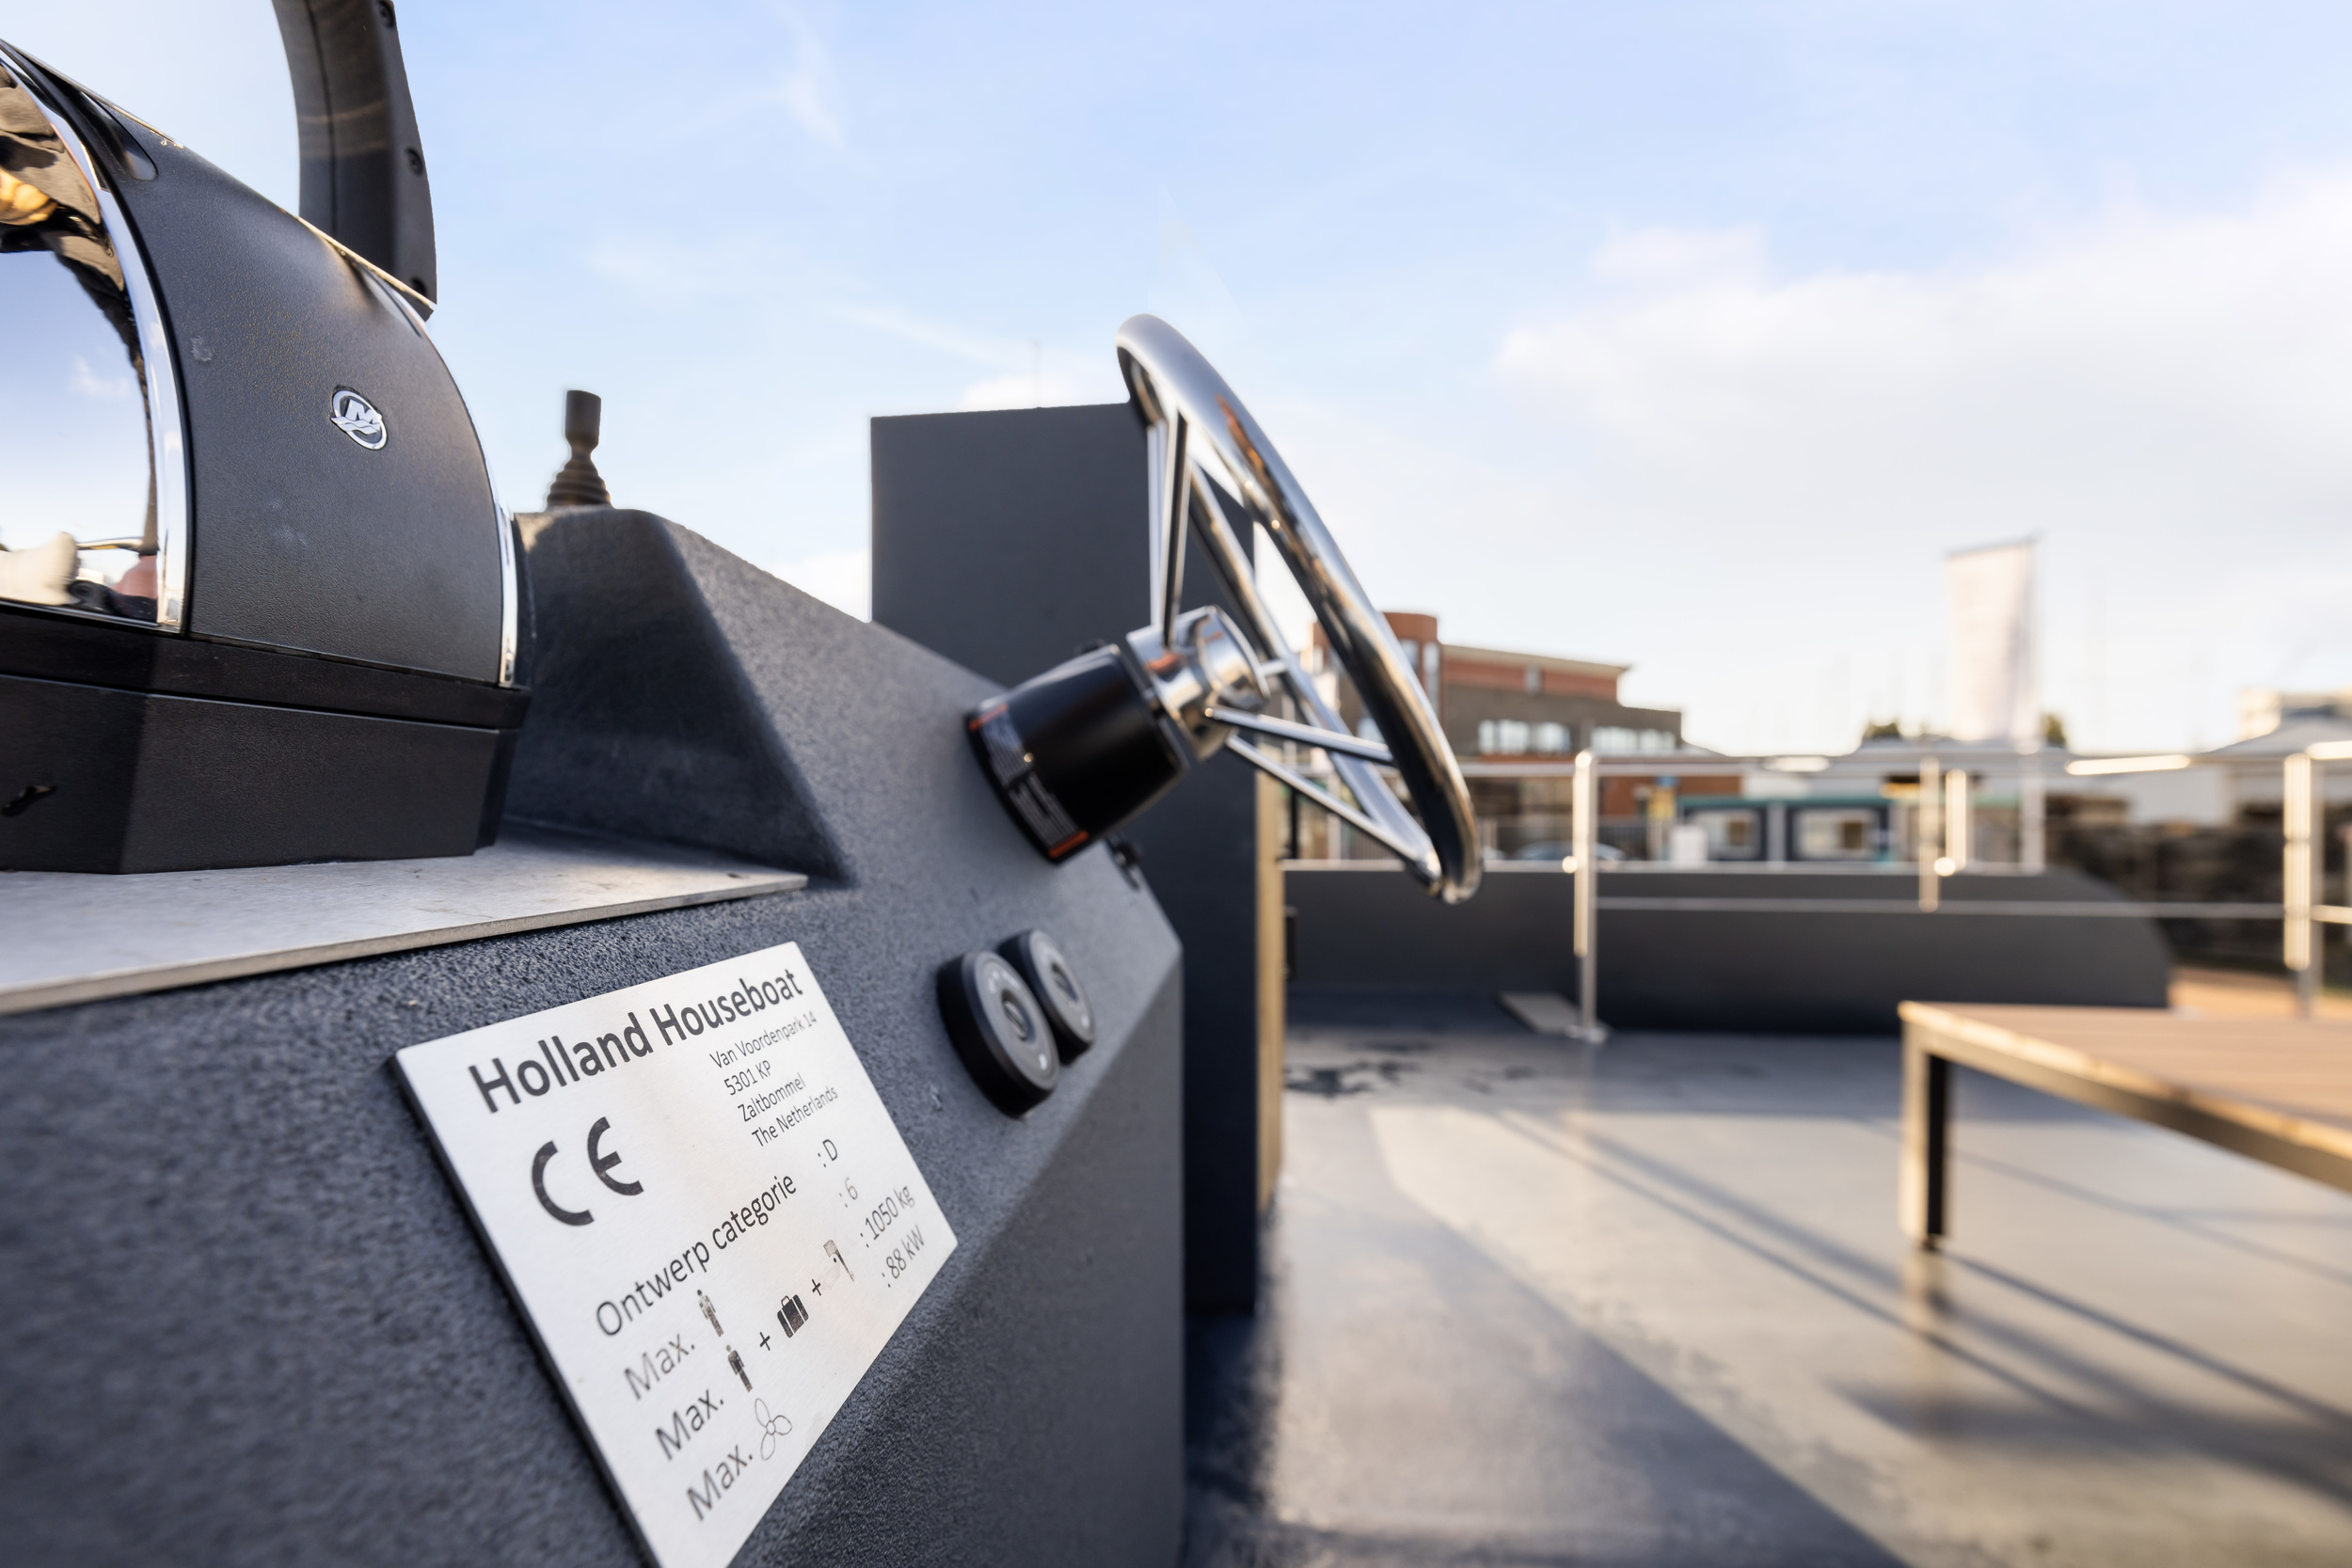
[{"x": 707, "y": 1217}]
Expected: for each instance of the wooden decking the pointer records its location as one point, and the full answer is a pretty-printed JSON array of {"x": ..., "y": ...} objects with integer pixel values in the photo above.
[
  {"x": 2279, "y": 1090},
  {"x": 2239, "y": 994}
]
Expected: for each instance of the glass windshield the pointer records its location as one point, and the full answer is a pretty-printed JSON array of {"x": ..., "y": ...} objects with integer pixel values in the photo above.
[{"x": 77, "y": 496}]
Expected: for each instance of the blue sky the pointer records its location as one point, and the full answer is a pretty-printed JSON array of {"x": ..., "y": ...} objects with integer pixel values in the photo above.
[{"x": 1688, "y": 335}]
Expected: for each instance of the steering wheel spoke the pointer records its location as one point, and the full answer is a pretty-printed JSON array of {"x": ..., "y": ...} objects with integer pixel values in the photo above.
[
  {"x": 1172, "y": 505},
  {"x": 1394, "y": 843},
  {"x": 1338, "y": 741}
]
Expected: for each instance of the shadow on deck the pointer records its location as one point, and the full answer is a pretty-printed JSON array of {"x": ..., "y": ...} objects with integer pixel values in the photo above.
[{"x": 1530, "y": 1304}]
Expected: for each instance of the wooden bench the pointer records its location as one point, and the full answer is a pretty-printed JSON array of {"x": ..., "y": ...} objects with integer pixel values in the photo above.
[{"x": 2279, "y": 1090}]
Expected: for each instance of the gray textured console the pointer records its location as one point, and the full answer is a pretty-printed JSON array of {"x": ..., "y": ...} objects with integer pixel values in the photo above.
[
  {"x": 248, "y": 1322},
  {"x": 1009, "y": 539}
]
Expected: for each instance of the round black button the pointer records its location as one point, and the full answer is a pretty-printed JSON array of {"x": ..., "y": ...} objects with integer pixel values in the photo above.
[
  {"x": 1000, "y": 1029},
  {"x": 1046, "y": 968}
]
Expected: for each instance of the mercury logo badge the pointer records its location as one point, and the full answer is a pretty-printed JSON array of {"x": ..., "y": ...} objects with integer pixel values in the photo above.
[{"x": 356, "y": 418}]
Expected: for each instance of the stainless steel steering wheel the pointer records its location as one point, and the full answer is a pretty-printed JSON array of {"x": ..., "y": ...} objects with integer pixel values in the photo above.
[{"x": 1212, "y": 466}]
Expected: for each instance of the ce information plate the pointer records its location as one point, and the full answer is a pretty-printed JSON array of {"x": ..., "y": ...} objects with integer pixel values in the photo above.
[{"x": 709, "y": 1218}]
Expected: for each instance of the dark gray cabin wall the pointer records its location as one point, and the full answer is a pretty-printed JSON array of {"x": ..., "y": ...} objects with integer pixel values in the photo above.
[
  {"x": 1007, "y": 540},
  {"x": 1367, "y": 927}
]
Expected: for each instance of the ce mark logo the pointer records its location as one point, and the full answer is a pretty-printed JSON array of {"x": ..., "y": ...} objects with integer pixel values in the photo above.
[{"x": 601, "y": 1164}]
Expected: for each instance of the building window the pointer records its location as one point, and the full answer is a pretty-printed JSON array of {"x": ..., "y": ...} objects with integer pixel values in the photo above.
[
  {"x": 1535, "y": 678},
  {"x": 1733, "y": 833},
  {"x": 1555, "y": 738},
  {"x": 1502, "y": 737},
  {"x": 1836, "y": 833},
  {"x": 1619, "y": 740}
]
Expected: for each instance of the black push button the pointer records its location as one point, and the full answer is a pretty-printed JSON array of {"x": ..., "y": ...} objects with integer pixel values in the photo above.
[
  {"x": 1000, "y": 1030},
  {"x": 1046, "y": 968}
]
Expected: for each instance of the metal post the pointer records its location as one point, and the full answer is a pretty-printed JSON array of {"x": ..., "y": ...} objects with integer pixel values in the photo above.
[
  {"x": 1958, "y": 831},
  {"x": 2298, "y": 881},
  {"x": 1584, "y": 828},
  {"x": 1926, "y": 829},
  {"x": 2032, "y": 845},
  {"x": 1922, "y": 1194}
]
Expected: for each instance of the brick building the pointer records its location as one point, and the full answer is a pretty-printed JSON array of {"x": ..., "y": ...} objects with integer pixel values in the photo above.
[
  {"x": 1517, "y": 720},
  {"x": 1498, "y": 705}
]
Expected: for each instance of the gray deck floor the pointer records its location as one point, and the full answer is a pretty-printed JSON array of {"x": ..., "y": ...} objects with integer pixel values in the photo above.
[{"x": 1529, "y": 1304}]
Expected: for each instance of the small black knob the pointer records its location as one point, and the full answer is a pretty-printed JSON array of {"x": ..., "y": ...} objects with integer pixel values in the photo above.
[
  {"x": 1046, "y": 968},
  {"x": 1000, "y": 1029}
]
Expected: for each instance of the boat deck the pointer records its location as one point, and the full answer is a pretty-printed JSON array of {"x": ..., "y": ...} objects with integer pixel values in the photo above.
[{"x": 1530, "y": 1303}]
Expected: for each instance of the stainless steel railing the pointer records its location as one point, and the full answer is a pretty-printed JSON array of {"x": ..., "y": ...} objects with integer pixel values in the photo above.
[
  {"x": 1942, "y": 835},
  {"x": 1940, "y": 826}
]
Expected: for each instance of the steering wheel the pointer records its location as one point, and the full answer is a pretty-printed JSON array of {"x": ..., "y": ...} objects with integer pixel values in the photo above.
[{"x": 1085, "y": 746}]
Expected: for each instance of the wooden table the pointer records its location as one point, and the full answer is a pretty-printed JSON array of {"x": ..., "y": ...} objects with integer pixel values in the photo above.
[{"x": 2279, "y": 1090}]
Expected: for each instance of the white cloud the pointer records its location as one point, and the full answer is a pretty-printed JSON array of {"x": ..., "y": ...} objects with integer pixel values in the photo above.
[
  {"x": 942, "y": 337},
  {"x": 2147, "y": 370},
  {"x": 1189, "y": 293},
  {"x": 1684, "y": 257},
  {"x": 843, "y": 578},
  {"x": 1763, "y": 472},
  {"x": 1026, "y": 375},
  {"x": 806, "y": 91},
  {"x": 1047, "y": 384},
  {"x": 89, "y": 384},
  {"x": 673, "y": 270}
]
